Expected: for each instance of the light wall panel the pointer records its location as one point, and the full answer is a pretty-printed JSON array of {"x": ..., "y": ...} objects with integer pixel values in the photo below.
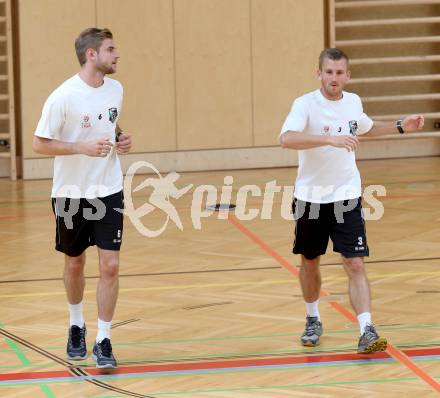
[
  {"x": 143, "y": 33},
  {"x": 287, "y": 37},
  {"x": 213, "y": 80},
  {"x": 48, "y": 29},
  {"x": 197, "y": 74}
]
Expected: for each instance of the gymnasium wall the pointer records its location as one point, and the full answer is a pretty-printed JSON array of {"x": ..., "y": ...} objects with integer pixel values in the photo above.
[{"x": 202, "y": 78}]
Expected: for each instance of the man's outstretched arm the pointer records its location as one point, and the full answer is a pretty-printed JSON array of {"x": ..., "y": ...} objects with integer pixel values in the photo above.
[{"x": 408, "y": 124}]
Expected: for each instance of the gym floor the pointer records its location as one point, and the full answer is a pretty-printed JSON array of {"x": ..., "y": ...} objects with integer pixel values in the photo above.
[{"x": 217, "y": 311}]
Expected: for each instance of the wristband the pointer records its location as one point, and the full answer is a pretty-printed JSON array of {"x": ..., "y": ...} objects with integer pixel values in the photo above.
[{"x": 399, "y": 126}]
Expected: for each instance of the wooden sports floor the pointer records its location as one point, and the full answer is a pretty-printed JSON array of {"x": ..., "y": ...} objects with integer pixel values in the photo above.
[{"x": 217, "y": 311}]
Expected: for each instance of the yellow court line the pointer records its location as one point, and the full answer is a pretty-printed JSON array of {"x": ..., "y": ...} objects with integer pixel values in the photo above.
[
  {"x": 209, "y": 285},
  {"x": 145, "y": 289}
]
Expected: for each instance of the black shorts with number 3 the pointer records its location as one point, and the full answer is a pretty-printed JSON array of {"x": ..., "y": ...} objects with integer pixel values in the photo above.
[
  {"x": 342, "y": 222},
  {"x": 81, "y": 223}
]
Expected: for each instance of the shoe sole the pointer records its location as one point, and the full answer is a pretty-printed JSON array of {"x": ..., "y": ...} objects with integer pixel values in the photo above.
[
  {"x": 77, "y": 358},
  {"x": 309, "y": 343},
  {"x": 379, "y": 345},
  {"x": 106, "y": 366}
]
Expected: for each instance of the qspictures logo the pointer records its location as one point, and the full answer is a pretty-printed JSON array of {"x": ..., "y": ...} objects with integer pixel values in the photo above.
[
  {"x": 206, "y": 200},
  {"x": 158, "y": 193}
]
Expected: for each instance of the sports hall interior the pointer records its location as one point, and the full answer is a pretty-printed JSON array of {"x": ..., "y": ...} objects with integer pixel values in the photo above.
[{"x": 216, "y": 310}]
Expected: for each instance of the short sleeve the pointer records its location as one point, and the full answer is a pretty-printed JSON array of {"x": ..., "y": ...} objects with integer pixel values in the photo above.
[
  {"x": 52, "y": 118},
  {"x": 364, "y": 123},
  {"x": 121, "y": 96},
  {"x": 297, "y": 118}
]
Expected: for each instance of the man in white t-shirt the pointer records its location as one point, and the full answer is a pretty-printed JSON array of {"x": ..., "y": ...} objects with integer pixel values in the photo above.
[
  {"x": 323, "y": 126},
  {"x": 79, "y": 127}
]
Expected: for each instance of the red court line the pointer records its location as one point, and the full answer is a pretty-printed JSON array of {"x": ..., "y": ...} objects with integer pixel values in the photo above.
[
  {"x": 34, "y": 375},
  {"x": 223, "y": 364},
  {"x": 400, "y": 356},
  {"x": 391, "y": 350},
  {"x": 394, "y": 352},
  {"x": 269, "y": 250},
  {"x": 343, "y": 311}
]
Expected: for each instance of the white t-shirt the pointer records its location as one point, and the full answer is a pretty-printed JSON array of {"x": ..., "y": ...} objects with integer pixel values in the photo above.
[
  {"x": 76, "y": 112},
  {"x": 327, "y": 174}
]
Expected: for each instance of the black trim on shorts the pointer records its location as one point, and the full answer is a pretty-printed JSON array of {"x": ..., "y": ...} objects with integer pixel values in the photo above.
[{"x": 81, "y": 223}]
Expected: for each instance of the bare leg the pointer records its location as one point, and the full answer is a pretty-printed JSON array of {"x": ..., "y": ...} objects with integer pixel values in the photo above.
[
  {"x": 74, "y": 281},
  {"x": 358, "y": 286},
  {"x": 360, "y": 298},
  {"x": 106, "y": 296},
  {"x": 108, "y": 284},
  {"x": 310, "y": 279}
]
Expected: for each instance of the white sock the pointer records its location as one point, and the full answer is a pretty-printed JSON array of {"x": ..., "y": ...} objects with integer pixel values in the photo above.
[
  {"x": 364, "y": 319},
  {"x": 312, "y": 309},
  {"x": 76, "y": 314},
  {"x": 103, "y": 330}
]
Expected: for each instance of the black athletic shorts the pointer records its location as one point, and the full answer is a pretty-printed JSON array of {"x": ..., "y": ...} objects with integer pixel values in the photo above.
[
  {"x": 342, "y": 222},
  {"x": 81, "y": 223}
]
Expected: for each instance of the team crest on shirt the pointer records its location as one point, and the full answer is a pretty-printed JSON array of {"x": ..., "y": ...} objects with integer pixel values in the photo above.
[
  {"x": 85, "y": 124},
  {"x": 326, "y": 130},
  {"x": 353, "y": 125},
  {"x": 112, "y": 114}
]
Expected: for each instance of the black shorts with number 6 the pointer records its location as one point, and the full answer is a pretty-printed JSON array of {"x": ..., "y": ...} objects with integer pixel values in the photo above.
[
  {"x": 342, "y": 222},
  {"x": 81, "y": 223}
]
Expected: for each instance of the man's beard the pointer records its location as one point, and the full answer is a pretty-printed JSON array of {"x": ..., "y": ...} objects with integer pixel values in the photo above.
[
  {"x": 331, "y": 92},
  {"x": 105, "y": 69}
]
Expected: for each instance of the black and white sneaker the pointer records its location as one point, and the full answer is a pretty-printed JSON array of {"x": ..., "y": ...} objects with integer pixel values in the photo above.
[
  {"x": 103, "y": 355},
  {"x": 76, "y": 343}
]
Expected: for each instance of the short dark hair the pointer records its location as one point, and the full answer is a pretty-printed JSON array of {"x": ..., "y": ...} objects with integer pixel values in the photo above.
[
  {"x": 90, "y": 38},
  {"x": 334, "y": 54}
]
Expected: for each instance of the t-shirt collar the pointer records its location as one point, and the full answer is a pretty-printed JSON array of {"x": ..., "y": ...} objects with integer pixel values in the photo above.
[
  {"x": 89, "y": 87},
  {"x": 322, "y": 100}
]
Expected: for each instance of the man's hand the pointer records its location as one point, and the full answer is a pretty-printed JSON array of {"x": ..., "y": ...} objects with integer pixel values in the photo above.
[
  {"x": 96, "y": 148},
  {"x": 349, "y": 142},
  {"x": 413, "y": 123},
  {"x": 123, "y": 145}
]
